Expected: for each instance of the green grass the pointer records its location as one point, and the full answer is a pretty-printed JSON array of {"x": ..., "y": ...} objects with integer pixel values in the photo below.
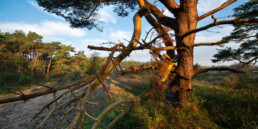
[{"x": 230, "y": 99}]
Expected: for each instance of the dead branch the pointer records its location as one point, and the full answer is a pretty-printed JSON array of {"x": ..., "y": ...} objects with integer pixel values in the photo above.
[
  {"x": 48, "y": 105},
  {"x": 216, "y": 10},
  {"x": 110, "y": 66},
  {"x": 219, "y": 43},
  {"x": 71, "y": 101},
  {"x": 217, "y": 69},
  {"x": 105, "y": 87},
  {"x": 53, "y": 109},
  {"x": 131, "y": 49},
  {"x": 120, "y": 116},
  {"x": 110, "y": 107},
  {"x": 86, "y": 114},
  {"x": 235, "y": 21},
  {"x": 147, "y": 34},
  {"x": 62, "y": 117},
  {"x": 137, "y": 68}
]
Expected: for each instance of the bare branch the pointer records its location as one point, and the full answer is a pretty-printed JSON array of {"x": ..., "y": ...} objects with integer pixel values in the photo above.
[
  {"x": 62, "y": 117},
  {"x": 219, "y": 43},
  {"x": 217, "y": 69},
  {"x": 235, "y": 21},
  {"x": 105, "y": 86},
  {"x": 147, "y": 34},
  {"x": 110, "y": 107},
  {"x": 120, "y": 116},
  {"x": 137, "y": 48},
  {"x": 45, "y": 119},
  {"x": 216, "y": 10},
  {"x": 109, "y": 67},
  {"x": 35, "y": 94},
  {"x": 86, "y": 114},
  {"x": 47, "y": 106},
  {"x": 137, "y": 68}
]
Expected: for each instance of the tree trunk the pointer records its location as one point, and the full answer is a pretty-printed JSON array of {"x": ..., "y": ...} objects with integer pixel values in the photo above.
[
  {"x": 49, "y": 64},
  {"x": 187, "y": 20}
]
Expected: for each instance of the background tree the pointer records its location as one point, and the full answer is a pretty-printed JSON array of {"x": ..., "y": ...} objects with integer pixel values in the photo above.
[
  {"x": 22, "y": 55},
  {"x": 51, "y": 49},
  {"x": 94, "y": 63},
  {"x": 246, "y": 35},
  {"x": 62, "y": 59}
]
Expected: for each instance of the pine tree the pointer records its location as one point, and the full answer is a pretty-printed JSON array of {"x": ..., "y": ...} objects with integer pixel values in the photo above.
[{"x": 246, "y": 35}]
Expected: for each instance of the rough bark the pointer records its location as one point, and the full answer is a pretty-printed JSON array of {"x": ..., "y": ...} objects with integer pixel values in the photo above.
[{"x": 187, "y": 21}]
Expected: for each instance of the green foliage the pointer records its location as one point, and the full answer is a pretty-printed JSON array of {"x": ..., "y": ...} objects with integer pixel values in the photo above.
[
  {"x": 232, "y": 101},
  {"x": 25, "y": 59},
  {"x": 23, "y": 80},
  {"x": 95, "y": 63},
  {"x": 244, "y": 34}
]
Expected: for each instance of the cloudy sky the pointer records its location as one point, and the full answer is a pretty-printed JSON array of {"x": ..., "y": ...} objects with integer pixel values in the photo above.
[{"x": 26, "y": 15}]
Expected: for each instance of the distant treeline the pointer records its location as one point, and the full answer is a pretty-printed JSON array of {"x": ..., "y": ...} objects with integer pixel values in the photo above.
[{"x": 24, "y": 57}]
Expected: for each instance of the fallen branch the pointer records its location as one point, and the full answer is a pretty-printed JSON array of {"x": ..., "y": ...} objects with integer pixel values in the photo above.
[
  {"x": 110, "y": 107},
  {"x": 120, "y": 116},
  {"x": 86, "y": 114},
  {"x": 131, "y": 49}
]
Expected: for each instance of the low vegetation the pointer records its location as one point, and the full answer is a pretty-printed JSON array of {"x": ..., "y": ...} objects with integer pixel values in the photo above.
[{"x": 222, "y": 100}]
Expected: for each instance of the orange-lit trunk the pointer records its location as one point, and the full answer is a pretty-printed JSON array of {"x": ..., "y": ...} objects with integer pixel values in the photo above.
[{"x": 187, "y": 20}]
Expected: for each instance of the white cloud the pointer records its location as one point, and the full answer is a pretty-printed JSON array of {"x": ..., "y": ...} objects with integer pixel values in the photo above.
[
  {"x": 105, "y": 17},
  {"x": 214, "y": 35},
  {"x": 207, "y": 5},
  {"x": 120, "y": 35},
  {"x": 202, "y": 55},
  {"x": 45, "y": 28}
]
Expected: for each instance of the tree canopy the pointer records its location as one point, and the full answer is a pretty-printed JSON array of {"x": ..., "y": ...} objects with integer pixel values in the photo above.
[{"x": 84, "y": 13}]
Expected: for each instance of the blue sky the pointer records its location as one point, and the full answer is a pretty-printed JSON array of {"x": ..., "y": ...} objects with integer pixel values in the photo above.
[{"x": 26, "y": 15}]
